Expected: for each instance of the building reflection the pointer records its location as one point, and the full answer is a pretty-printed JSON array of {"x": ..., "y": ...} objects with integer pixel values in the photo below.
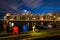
[{"x": 30, "y": 19}]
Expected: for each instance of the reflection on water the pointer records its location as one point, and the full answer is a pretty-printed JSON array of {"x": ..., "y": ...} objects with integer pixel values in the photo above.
[{"x": 25, "y": 28}]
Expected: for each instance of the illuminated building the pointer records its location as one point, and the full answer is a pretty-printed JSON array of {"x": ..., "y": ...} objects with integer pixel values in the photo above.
[
  {"x": 7, "y": 21},
  {"x": 30, "y": 18},
  {"x": 48, "y": 16},
  {"x": 41, "y": 18}
]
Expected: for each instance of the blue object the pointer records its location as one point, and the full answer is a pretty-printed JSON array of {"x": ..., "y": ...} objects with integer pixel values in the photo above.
[{"x": 25, "y": 28}]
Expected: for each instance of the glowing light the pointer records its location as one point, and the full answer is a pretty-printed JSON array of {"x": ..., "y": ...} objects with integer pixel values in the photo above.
[
  {"x": 33, "y": 28},
  {"x": 8, "y": 14},
  {"x": 58, "y": 18},
  {"x": 25, "y": 28},
  {"x": 49, "y": 26},
  {"x": 34, "y": 18},
  {"x": 12, "y": 24},
  {"x": 41, "y": 18},
  {"x": 25, "y": 10}
]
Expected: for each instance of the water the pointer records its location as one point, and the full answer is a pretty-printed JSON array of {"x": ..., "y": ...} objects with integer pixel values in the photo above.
[{"x": 25, "y": 28}]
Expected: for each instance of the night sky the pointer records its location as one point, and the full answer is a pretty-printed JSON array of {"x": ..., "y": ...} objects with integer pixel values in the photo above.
[{"x": 34, "y": 6}]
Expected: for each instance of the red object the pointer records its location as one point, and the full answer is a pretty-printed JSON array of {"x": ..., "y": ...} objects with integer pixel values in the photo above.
[{"x": 15, "y": 30}]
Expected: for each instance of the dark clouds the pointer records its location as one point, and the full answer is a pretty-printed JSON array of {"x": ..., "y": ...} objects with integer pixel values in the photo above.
[{"x": 35, "y": 6}]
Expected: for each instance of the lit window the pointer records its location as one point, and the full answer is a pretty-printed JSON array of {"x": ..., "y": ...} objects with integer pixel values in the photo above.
[{"x": 12, "y": 24}]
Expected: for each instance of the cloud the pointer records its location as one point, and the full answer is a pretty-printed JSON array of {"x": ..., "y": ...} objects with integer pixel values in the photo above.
[
  {"x": 38, "y": 6},
  {"x": 32, "y": 3}
]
